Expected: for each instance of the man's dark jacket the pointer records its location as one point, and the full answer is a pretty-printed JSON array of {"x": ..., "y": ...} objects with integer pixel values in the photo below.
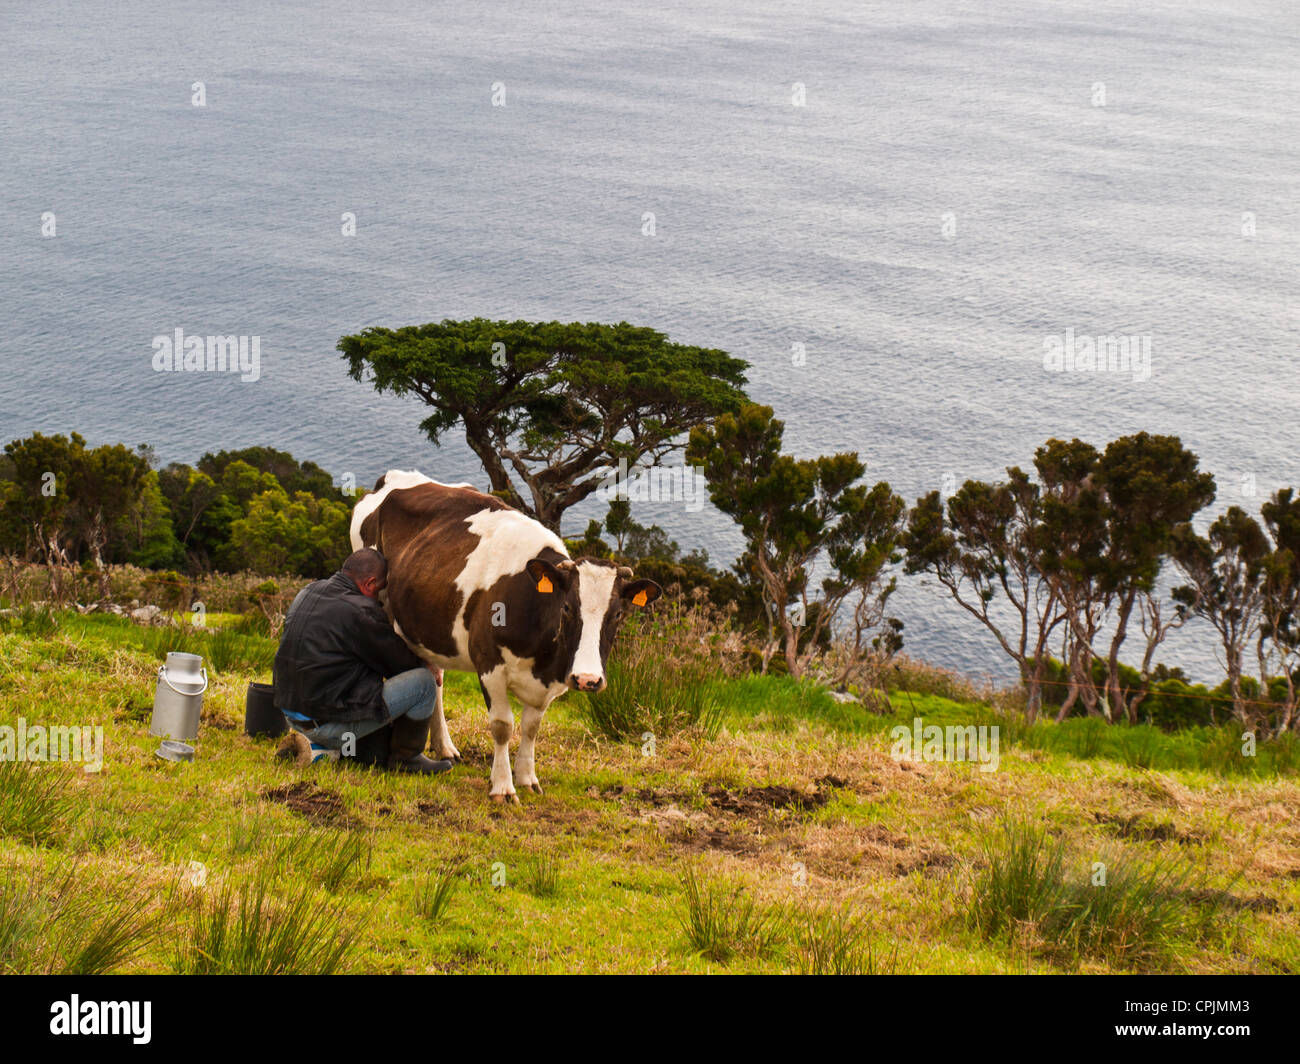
[{"x": 337, "y": 649}]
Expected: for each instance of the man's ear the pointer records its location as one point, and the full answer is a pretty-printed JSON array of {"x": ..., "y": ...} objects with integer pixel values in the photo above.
[
  {"x": 642, "y": 592},
  {"x": 546, "y": 577}
]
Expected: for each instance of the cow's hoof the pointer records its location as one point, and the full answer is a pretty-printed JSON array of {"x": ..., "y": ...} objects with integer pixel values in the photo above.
[
  {"x": 536, "y": 788},
  {"x": 504, "y": 799}
]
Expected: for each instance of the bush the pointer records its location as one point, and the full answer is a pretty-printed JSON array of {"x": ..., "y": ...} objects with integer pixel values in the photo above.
[
  {"x": 166, "y": 589},
  {"x": 661, "y": 678}
]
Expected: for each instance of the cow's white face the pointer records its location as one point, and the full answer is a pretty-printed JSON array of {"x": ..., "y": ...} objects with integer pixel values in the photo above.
[{"x": 595, "y": 596}]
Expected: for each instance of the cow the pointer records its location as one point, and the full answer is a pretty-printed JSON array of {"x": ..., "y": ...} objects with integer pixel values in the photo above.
[{"x": 475, "y": 585}]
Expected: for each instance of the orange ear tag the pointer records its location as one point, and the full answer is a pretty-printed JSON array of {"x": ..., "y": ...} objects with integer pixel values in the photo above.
[
  {"x": 639, "y": 599},
  {"x": 544, "y": 585}
]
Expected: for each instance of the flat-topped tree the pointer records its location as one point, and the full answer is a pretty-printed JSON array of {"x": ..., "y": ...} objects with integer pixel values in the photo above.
[{"x": 548, "y": 407}]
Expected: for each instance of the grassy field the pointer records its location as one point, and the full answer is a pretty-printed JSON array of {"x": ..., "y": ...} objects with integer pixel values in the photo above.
[{"x": 779, "y": 835}]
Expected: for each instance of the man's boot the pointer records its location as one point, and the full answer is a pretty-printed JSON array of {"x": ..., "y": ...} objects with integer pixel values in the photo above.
[
  {"x": 374, "y": 749},
  {"x": 406, "y": 747}
]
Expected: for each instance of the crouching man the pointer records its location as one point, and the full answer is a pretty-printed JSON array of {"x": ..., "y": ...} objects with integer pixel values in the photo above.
[{"x": 342, "y": 671}]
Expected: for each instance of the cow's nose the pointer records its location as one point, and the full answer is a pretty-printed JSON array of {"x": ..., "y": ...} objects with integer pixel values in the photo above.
[{"x": 587, "y": 681}]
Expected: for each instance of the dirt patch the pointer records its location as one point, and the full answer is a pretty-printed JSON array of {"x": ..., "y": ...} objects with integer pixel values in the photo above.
[
  {"x": 657, "y": 797},
  {"x": 431, "y": 810},
  {"x": 472, "y": 755},
  {"x": 1138, "y": 826},
  {"x": 878, "y": 833},
  {"x": 701, "y": 839},
  {"x": 310, "y": 800},
  {"x": 924, "y": 861},
  {"x": 753, "y": 802}
]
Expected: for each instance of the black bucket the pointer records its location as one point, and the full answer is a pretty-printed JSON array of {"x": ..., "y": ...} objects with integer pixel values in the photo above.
[{"x": 260, "y": 715}]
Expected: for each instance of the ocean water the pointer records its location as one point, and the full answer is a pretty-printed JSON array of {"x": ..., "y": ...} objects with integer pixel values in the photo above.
[{"x": 962, "y": 182}]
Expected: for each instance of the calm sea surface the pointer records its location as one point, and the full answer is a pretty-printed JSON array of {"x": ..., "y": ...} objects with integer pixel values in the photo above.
[{"x": 963, "y": 181}]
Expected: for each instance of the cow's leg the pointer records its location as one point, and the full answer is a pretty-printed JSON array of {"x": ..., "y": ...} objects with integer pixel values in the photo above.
[
  {"x": 525, "y": 769},
  {"x": 501, "y": 723},
  {"x": 442, "y": 744}
]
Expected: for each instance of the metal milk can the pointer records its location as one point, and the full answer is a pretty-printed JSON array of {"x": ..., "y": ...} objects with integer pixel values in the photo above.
[{"x": 178, "y": 700}]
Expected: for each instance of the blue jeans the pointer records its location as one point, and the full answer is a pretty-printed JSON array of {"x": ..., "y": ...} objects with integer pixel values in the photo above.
[{"x": 408, "y": 694}]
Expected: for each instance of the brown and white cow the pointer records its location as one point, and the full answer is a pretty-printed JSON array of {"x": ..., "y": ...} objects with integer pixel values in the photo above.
[{"x": 475, "y": 585}]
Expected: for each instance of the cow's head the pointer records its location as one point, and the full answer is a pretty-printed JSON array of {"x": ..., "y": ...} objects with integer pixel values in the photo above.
[{"x": 586, "y": 600}]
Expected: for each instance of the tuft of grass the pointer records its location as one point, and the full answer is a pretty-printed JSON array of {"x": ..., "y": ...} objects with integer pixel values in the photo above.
[
  {"x": 541, "y": 876},
  {"x": 434, "y": 892},
  {"x": 1141, "y": 745},
  {"x": 1144, "y": 915},
  {"x": 168, "y": 638},
  {"x": 246, "y": 835},
  {"x": 1133, "y": 911},
  {"x": 721, "y": 921},
  {"x": 30, "y": 619},
  {"x": 1023, "y": 882},
  {"x": 34, "y": 801},
  {"x": 642, "y": 696},
  {"x": 229, "y": 650},
  {"x": 246, "y": 930},
  {"x": 325, "y": 856},
  {"x": 831, "y": 941},
  {"x": 61, "y": 925},
  {"x": 1087, "y": 738}
]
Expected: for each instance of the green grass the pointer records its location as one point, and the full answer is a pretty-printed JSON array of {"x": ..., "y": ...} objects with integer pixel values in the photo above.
[
  {"x": 721, "y": 921},
  {"x": 1132, "y": 910},
  {"x": 541, "y": 876},
  {"x": 326, "y": 856},
  {"x": 436, "y": 889},
  {"x": 833, "y": 940},
  {"x": 246, "y": 929},
  {"x": 225, "y": 649},
  {"x": 236, "y": 862},
  {"x": 65, "y": 924},
  {"x": 1023, "y": 881},
  {"x": 645, "y": 699},
  {"x": 34, "y": 801}
]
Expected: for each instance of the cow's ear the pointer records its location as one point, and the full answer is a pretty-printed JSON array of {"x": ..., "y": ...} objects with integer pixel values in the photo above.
[
  {"x": 642, "y": 592},
  {"x": 546, "y": 577}
]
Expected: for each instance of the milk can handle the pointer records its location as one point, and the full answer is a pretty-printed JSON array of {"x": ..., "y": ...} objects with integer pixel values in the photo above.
[{"x": 162, "y": 675}]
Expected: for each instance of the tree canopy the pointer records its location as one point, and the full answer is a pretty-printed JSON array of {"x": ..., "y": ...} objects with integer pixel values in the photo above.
[{"x": 549, "y": 407}]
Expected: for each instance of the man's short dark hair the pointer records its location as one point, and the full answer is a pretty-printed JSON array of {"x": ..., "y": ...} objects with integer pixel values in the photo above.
[{"x": 366, "y": 563}]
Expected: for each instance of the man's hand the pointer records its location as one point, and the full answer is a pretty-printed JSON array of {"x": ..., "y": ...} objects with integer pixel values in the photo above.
[{"x": 437, "y": 673}]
